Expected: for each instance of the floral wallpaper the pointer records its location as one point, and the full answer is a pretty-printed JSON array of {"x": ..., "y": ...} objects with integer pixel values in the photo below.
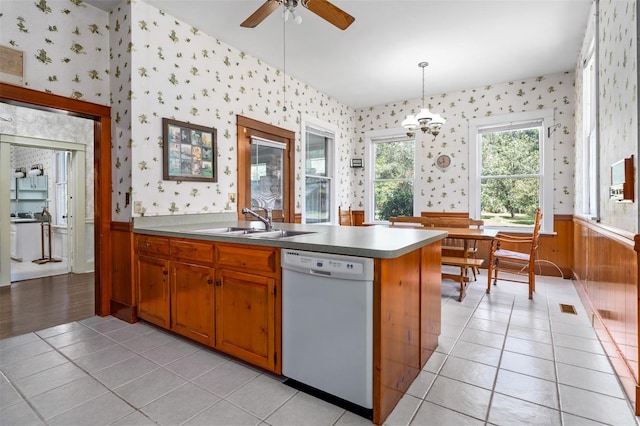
[
  {"x": 618, "y": 72},
  {"x": 147, "y": 65},
  {"x": 120, "y": 51},
  {"x": 65, "y": 45},
  {"x": 182, "y": 73},
  {"x": 447, "y": 190}
]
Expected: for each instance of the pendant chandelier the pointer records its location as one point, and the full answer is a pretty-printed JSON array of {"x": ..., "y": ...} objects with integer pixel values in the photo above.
[{"x": 425, "y": 120}]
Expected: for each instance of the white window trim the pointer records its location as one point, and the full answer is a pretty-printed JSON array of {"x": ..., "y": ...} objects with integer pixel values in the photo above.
[
  {"x": 546, "y": 147},
  {"x": 590, "y": 208},
  {"x": 369, "y": 138},
  {"x": 307, "y": 120}
]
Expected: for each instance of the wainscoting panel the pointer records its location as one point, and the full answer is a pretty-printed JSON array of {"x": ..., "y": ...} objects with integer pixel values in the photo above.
[
  {"x": 606, "y": 270},
  {"x": 122, "y": 290}
]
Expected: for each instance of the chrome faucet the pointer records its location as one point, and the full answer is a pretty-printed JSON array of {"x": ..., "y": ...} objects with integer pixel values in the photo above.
[{"x": 268, "y": 222}]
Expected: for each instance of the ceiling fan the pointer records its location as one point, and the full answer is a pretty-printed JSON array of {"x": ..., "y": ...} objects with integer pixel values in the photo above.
[{"x": 322, "y": 8}]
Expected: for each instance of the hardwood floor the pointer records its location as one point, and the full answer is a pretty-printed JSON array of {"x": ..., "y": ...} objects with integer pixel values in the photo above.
[{"x": 40, "y": 303}]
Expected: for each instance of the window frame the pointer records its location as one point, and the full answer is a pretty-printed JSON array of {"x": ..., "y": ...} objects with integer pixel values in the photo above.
[
  {"x": 547, "y": 142},
  {"x": 320, "y": 126},
  {"x": 61, "y": 160},
  {"x": 383, "y": 136},
  {"x": 590, "y": 206}
]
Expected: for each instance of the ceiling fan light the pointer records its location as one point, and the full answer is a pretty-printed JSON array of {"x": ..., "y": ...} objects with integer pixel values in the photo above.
[
  {"x": 410, "y": 123},
  {"x": 285, "y": 14},
  {"x": 298, "y": 19}
]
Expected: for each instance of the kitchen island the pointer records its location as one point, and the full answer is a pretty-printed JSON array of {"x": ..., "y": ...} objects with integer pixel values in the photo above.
[{"x": 220, "y": 284}]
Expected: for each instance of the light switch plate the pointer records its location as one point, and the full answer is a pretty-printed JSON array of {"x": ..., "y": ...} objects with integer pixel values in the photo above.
[{"x": 137, "y": 207}]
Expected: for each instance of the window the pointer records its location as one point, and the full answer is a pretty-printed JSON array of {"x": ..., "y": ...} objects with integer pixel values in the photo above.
[
  {"x": 390, "y": 179},
  {"x": 319, "y": 183},
  {"x": 267, "y": 158},
  {"x": 265, "y": 172},
  {"x": 590, "y": 172},
  {"x": 511, "y": 170},
  {"x": 61, "y": 161}
]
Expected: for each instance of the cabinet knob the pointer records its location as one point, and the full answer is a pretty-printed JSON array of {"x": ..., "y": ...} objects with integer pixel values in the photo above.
[
  {"x": 165, "y": 272},
  {"x": 148, "y": 244},
  {"x": 209, "y": 281},
  {"x": 218, "y": 283}
]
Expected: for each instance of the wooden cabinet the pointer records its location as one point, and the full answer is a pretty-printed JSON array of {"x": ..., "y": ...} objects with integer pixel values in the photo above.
[
  {"x": 152, "y": 279},
  {"x": 247, "y": 307},
  {"x": 192, "y": 295},
  {"x": 192, "y": 301},
  {"x": 221, "y": 295},
  {"x": 245, "y": 317}
]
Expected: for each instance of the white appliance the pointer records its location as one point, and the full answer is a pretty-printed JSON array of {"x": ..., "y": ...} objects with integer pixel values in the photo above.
[{"x": 327, "y": 324}]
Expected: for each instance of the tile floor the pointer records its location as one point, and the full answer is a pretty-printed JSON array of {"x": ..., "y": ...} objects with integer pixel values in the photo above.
[{"x": 502, "y": 360}]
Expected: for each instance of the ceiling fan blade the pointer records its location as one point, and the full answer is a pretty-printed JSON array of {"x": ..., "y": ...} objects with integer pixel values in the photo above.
[
  {"x": 330, "y": 13},
  {"x": 260, "y": 14}
]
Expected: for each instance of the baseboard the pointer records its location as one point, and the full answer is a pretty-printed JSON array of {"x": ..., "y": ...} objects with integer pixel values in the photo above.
[{"x": 124, "y": 312}]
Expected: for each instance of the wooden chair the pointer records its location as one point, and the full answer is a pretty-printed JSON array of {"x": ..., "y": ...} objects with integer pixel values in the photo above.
[
  {"x": 522, "y": 260},
  {"x": 406, "y": 220},
  {"x": 453, "y": 247},
  {"x": 345, "y": 218}
]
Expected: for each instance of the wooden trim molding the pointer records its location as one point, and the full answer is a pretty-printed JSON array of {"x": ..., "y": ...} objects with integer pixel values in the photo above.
[
  {"x": 101, "y": 116},
  {"x": 247, "y": 127},
  {"x": 123, "y": 300}
]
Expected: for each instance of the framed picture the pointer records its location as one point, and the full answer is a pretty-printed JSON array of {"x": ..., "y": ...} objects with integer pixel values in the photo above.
[{"x": 189, "y": 151}]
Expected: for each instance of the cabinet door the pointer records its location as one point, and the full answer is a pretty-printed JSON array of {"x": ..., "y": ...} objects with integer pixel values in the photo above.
[
  {"x": 192, "y": 301},
  {"x": 153, "y": 289},
  {"x": 245, "y": 317},
  {"x": 40, "y": 183}
]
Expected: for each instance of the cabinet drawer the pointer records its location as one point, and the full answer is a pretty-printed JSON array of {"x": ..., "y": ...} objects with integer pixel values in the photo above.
[
  {"x": 152, "y": 245},
  {"x": 254, "y": 258},
  {"x": 192, "y": 251}
]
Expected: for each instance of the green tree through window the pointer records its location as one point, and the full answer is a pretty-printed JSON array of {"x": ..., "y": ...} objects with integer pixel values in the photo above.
[
  {"x": 510, "y": 176},
  {"x": 393, "y": 178}
]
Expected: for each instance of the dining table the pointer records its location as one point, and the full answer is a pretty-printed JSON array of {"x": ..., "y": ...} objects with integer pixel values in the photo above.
[{"x": 467, "y": 235}]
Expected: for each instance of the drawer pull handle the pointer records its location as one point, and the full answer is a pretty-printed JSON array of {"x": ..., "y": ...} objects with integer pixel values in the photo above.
[{"x": 148, "y": 244}]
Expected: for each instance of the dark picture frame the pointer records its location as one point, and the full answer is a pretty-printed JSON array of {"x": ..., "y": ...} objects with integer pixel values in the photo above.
[{"x": 190, "y": 152}]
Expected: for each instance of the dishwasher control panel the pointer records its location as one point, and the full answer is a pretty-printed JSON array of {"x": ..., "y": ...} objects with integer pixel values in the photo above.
[{"x": 328, "y": 264}]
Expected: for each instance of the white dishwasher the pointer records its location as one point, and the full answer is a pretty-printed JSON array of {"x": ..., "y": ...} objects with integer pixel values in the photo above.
[{"x": 327, "y": 326}]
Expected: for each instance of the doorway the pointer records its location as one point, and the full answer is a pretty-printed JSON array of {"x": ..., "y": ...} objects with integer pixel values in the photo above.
[
  {"x": 64, "y": 231},
  {"x": 101, "y": 119}
]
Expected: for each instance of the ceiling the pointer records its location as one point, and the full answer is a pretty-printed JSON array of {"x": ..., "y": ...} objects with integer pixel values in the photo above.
[{"x": 468, "y": 43}]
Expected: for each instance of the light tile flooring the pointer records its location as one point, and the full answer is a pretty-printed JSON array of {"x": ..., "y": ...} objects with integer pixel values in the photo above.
[{"x": 502, "y": 360}]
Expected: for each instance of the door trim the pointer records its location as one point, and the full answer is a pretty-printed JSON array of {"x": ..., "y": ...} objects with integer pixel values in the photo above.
[{"x": 101, "y": 116}]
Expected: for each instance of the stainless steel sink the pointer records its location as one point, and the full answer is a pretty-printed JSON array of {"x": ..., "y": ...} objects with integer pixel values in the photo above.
[
  {"x": 280, "y": 234},
  {"x": 228, "y": 231}
]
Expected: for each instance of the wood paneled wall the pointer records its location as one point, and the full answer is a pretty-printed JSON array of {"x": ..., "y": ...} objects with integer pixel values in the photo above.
[
  {"x": 606, "y": 267},
  {"x": 122, "y": 301}
]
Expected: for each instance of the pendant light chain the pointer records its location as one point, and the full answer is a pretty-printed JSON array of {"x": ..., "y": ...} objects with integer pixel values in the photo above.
[{"x": 284, "y": 64}]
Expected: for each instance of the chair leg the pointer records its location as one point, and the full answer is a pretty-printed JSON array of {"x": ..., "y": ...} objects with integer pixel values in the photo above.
[
  {"x": 489, "y": 272},
  {"x": 532, "y": 284}
]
